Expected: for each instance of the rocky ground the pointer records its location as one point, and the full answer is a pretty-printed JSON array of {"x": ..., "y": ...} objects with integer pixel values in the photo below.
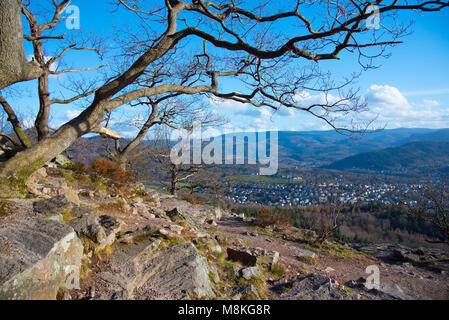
[{"x": 129, "y": 242}]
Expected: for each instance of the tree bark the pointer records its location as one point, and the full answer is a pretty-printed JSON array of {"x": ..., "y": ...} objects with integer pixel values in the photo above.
[
  {"x": 17, "y": 127},
  {"x": 14, "y": 67},
  {"x": 15, "y": 172},
  {"x": 173, "y": 178},
  {"x": 41, "y": 122}
]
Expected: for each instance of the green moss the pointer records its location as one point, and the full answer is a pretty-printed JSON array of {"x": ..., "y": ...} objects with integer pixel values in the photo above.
[
  {"x": 67, "y": 216},
  {"x": 348, "y": 290},
  {"x": 166, "y": 241},
  {"x": 258, "y": 283},
  {"x": 212, "y": 277},
  {"x": 336, "y": 250},
  {"x": 308, "y": 260},
  {"x": 200, "y": 247},
  {"x": 105, "y": 252},
  {"x": 14, "y": 185},
  {"x": 277, "y": 270},
  {"x": 68, "y": 176},
  {"x": 5, "y": 209},
  {"x": 99, "y": 184},
  {"x": 85, "y": 268},
  {"x": 139, "y": 192},
  {"x": 61, "y": 292}
]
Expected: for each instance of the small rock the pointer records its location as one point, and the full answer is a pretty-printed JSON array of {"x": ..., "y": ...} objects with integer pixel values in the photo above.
[
  {"x": 247, "y": 292},
  {"x": 80, "y": 211},
  {"x": 176, "y": 228},
  {"x": 250, "y": 273}
]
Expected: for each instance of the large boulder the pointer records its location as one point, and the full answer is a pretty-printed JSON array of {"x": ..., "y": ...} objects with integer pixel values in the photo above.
[
  {"x": 101, "y": 230},
  {"x": 145, "y": 271},
  {"x": 53, "y": 205},
  {"x": 242, "y": 256},
  {"x": 399, "y": 293},
  {"x": 253, "y": 256},
  {"x": 404, "y": 255},
  {"x": 89, "y": 227},
  {"x": 38, "y": 256},
  {"x": 178, "y": 215}
]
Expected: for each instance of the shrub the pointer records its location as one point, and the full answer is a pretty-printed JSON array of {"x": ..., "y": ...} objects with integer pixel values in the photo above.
[
  {"x": 80, "y": 167},
  {"x": 110, "y": 170},
  {"x": 191, "y": 199},
  {"x": 265, "y": 217},
  {"x": 277, "y": 270}
]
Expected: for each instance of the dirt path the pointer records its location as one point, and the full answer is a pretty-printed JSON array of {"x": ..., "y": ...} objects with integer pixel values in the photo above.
[{"x": 417, "y": 279}]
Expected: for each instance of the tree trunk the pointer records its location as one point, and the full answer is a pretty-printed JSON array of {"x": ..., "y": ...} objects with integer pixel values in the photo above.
[
  {"x": 14, "y": 67},
  {"x": 44, "y": 108},
  {"x": 174, "y": 179},
  {"x": 15, "y": 172},
  {"x": 122, "y": 155}
]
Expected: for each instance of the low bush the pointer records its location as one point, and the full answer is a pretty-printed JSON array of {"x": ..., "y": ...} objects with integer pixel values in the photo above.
[
  {"x": 111, "y": 170},
  {"x": 265, "y": 217},
  {"x": 191, "y": 199}
]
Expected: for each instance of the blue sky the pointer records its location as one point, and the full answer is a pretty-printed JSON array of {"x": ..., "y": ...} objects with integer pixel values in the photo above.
[{"x": 409, "y": 89}]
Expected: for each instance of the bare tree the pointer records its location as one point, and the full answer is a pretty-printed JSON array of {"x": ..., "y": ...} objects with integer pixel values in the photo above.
[
  {"x": 47, "y": 63},
  {"x": 165, "y": 111},
  {"x": 245, "y": 41},
  {"x": 177, "y": 173},
  {"x": 431, "y": 204}
]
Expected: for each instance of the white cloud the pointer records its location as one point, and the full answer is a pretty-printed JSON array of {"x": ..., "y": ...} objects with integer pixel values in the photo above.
[
  {"x": 387, "y": 105},
  {"x": 305, "y": 99},
  {"x": 70, "y": 114},
  {"x": 391, "y": 107}
]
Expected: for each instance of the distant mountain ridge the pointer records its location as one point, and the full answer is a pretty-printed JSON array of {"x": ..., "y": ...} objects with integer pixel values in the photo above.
[
  {"x": 421, "y": 155},
  {"x": 306, "y": 148},
  {"x": 318, "y": 148}
]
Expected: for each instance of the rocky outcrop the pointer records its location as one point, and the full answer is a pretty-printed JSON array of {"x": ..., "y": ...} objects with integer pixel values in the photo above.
[
  {"x": 177, "y": 215},
  {"x": 246, "y": 292},
  {"x": 385, "y": 291},
  {"x": 37, "y": 257},
  {"x": 53, "y": 205},
  {"x": 145, "y": 271},
  {"x": 101, "y": 230},
  {"x": 399, "y": 293},
  {"x": 305, "y": 255},
  {"x": 315, "y": 287}
]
